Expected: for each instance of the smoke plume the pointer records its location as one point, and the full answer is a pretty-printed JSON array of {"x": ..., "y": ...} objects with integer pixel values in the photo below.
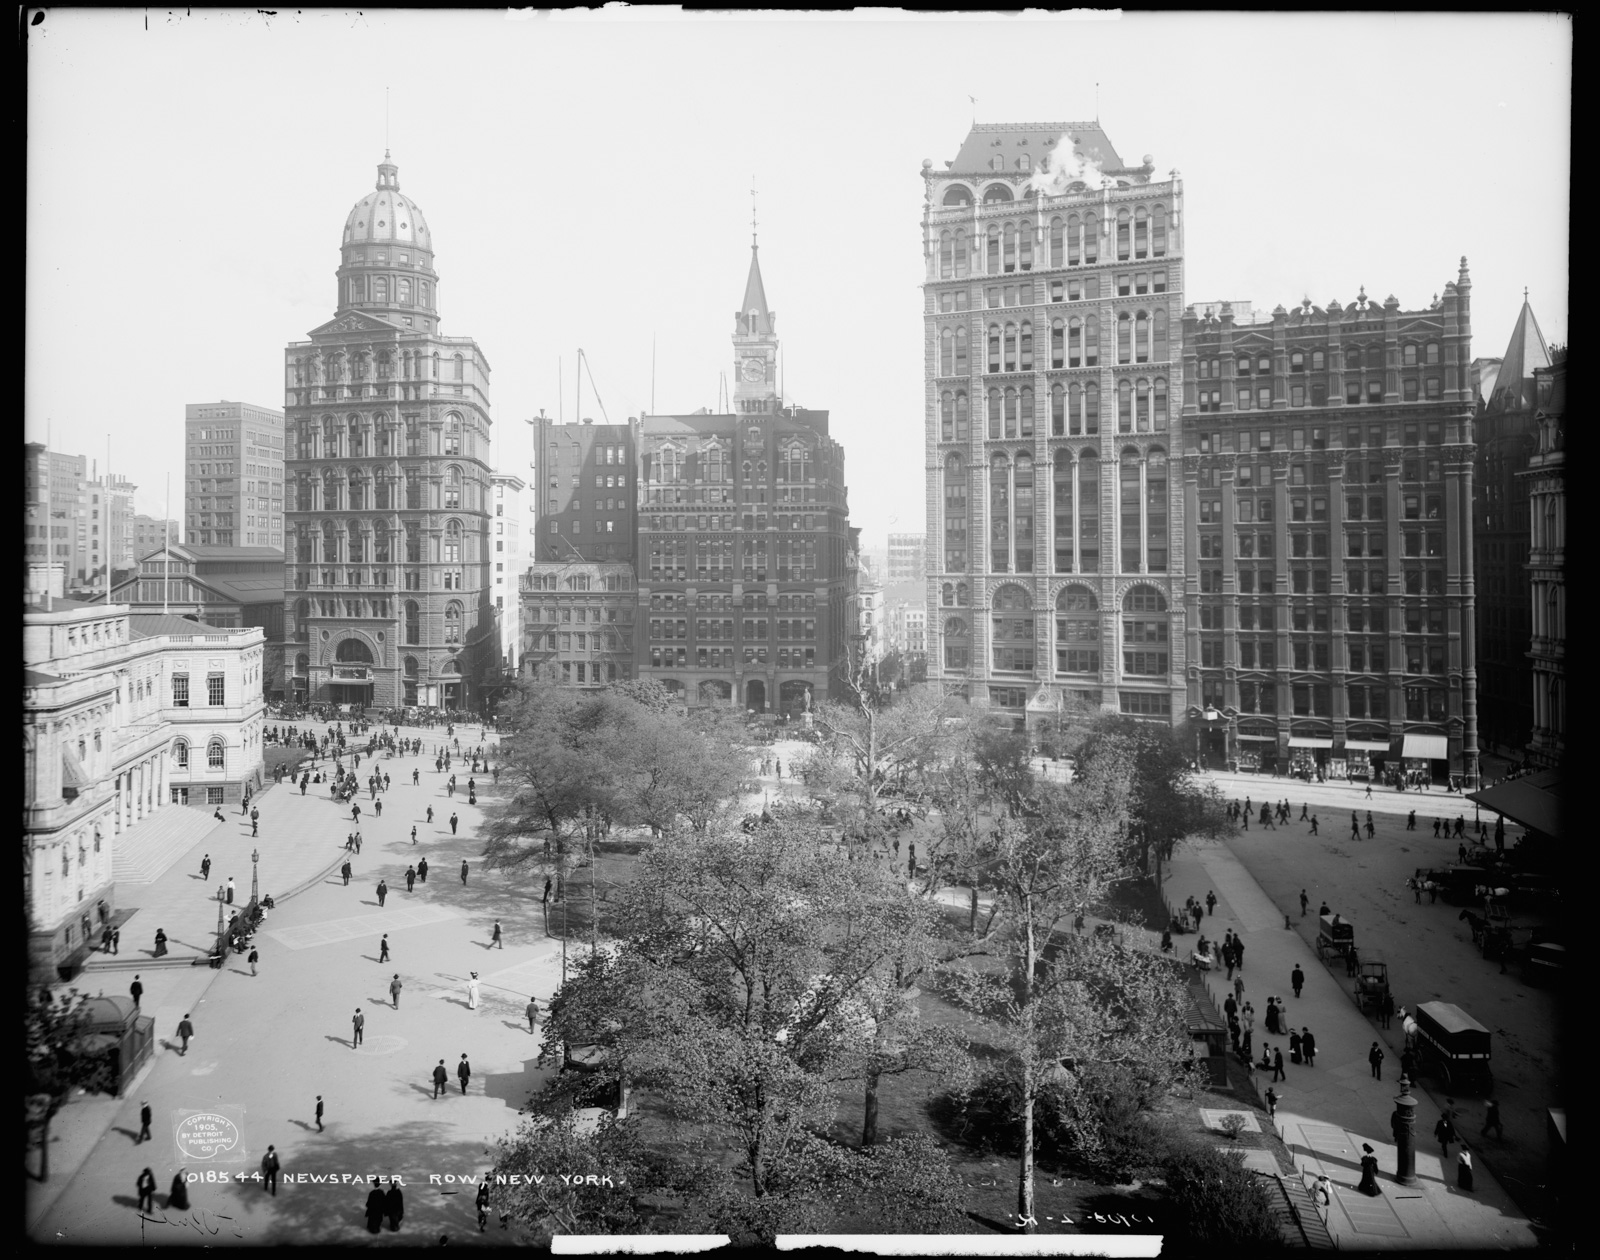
[{"x": 1066, "y": 165}]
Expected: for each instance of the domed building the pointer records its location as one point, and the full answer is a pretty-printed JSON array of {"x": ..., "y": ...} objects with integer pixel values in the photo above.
[{"x": 387, "y": 434}]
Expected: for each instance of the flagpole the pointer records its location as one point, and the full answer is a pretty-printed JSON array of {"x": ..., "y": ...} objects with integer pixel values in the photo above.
[
  {"x": 166, "y": 543},
  {"x": 106, "y": 537}
]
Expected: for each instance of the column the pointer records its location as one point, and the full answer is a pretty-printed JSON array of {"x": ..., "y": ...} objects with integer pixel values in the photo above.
[
  {"x": 1077, "y": 510},
  {"x": 1144, "y": 515},
  {"x": 1011, "y": 515}
]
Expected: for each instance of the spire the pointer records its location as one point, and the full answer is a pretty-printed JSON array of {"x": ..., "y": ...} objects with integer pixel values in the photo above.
[
  {"x": 1513, "y": 386},
  {"x": 752, "y": 318}
]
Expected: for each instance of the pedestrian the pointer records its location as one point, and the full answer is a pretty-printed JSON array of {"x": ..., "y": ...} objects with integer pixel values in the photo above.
[
  {"x": 1211, "y": 902},
  {"x": 1272, "y": 1103},
  {"x": 205, "y": 868},
  {"x": 1411, "y": 821},
  {"x": 463, "y": 1072},
  {"x": 146, "y": 1186},
  {"x": 1370, "y": 827},
  {"x": 1230, "y": 1006},
  {"x": 430, "y": 813},
  {"x": 1369, "y": 789},
  {"x": 441, "y": 1079},
  {"x": 161, "y": 942},
  {"x": 394, "y": 990},
  {"x": 497, "y": 941},
  {"x": 144, "y": 1123},
  {"x": 413, "y": 833},
  {"x": 453, "y": 822},
  {"x": 1375, "y": 1058},
  {"x": 1294, "y": 1047},
  {"x": 1415, "y": 885},
  {"x": 319, "y": 1113},
  {"x": 383, "y": 891},
  {"x": 269, "y": 1169},
  {"x": 137, "y": 990},
  {"x": 349, "y": 842},
  {"x": 186, "y": 1031},
  {"x": 1278, "y": 1074},
  {"x": 255, "y": 822},
  {"x": 394, "y": 1206},
  {"x": 1355, "y": 828},
  {"x": 116, "y": 940},
  {"x": 1464, "y": 1170},
  {"x": 1238, "y": 986},
  {"x": 1305, "y": 808},
  {"x": 1308, "y": 1046},
  {"x": 533, "y": 1013},
  {"x": 483, "y": 1203},
  {"x": 422, "y": 870},
  {"x": 411, "y": 878},
  {"x": 377, "y": 808},
  {"x": 1491, "y": 1119},
  {"x": 416, "y": 777},
  {"x": 1248, "y": 1014},
  {"x": 1305, "y": 901},
  {"x": 472, "y": 992},
  {"x": 463, "y": 872},
  {"x": 383, "y": 949},
  {"x": 1298, "y": 979},
  {"x": 1461, "y": 852},
  {"x": 377, "y": 1202},
  {"x": 358, "y": 841},
  {"x": 1386, "y": 1010},
  {"x": 358, "y": 1022},
  {"x": 1369, "y": 1165},
  {"x": 255, "y": 957},
  {"x": 1314, "y": 825},
  {"x": 345, "y": 871},
  {"x": 230, "y": 890},
  {"x": 1238, "y": 955},
  {"x": 1437, "y": 823},
  {"x": 178, "y": 1192}
]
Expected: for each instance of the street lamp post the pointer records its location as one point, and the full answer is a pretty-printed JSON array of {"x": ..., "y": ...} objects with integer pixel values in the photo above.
[
  {"x": 1403, "y": 1126},
  {"x": 221, "y": 939},
  {"x": 255, "y": 878}
]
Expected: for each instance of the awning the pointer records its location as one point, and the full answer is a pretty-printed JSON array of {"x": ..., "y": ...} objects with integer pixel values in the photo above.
[
  {"x": 1534, "y": 801},
  {"x": 1309, "y": 741},
  {"x": 1426, "y": 747},
  {"x": 1366, "y": 745},
  {"x": 1260, "y": 739}
]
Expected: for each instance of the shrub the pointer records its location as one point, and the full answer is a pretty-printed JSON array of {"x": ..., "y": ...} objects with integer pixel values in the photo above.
[
  {"x": 1217, "y": 1202},
  {"x": 1233, "y": 1125}
]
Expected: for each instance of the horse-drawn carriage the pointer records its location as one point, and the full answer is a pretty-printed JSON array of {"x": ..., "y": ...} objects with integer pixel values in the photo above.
[
  {"x": 1454, "y": 1046},
  {"x": 1336, "y": 937},
  {"x": 1372, "y": 983}
]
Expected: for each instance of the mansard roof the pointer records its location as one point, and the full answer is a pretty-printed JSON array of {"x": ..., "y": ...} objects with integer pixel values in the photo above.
[{"x": 1037, "y": 140}]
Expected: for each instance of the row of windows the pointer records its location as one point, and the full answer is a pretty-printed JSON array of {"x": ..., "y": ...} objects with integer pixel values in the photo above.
[
  {"x": 1362, "y": 700},
  {"x": 402, "y": 287},
  {"x": 1068, "y": 241},
  {"x": 1355, "y": 394},
  {"x": 1412, "y": 354},
  {"x": 727, "y": 658},
  {"x": 216, "y": 690},
  {"x": 216, "y": 755},
  {"x": 1141, "y": 337},
  {"x": 670, "y": 466},
  {"x": 1363, "y": 656}
]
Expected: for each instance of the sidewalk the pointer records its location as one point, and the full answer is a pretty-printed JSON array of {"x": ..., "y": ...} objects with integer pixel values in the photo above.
[{"x": 1329, "y": 1110}]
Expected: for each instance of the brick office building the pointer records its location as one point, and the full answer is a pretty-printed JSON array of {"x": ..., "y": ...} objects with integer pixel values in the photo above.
[
  {"x": 388, "y": 560},
  {"x": 1053, "y": 298},
  {"x": 1547, "y": 497},
  {"x": 1327, "y": 510}
]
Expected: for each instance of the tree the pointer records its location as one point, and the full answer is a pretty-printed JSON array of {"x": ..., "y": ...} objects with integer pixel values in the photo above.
[
  {"x": 1165, "y": 804},
  {"x": 62, "y": 1058}
]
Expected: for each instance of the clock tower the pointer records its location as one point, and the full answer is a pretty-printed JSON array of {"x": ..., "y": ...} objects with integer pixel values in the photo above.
[{"x": 755, "y": 346}]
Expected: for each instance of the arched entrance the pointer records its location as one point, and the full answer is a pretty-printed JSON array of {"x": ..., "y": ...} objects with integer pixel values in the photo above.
[
  {"x": 755, "y": 695},
  {"x": 352, "y": 673}
]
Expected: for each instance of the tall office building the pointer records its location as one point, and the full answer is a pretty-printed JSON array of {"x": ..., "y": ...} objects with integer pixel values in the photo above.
[
  {"x": 1327, "y": 525},
  {"x": 116, "y": 501},
  {"x": 37, "y": 547},
  {"x": 387, "y": 420},
  {"x": 1508, "y": 436},
  {"x": 69, "y": 513},
  {"x": 509, "y": 550},
  {"x": 906, "y": 559},
  {"x": 152, "y": 533},
  {"x": 234, "y": 474},
  {"x": 1053, "y": 301},
  {"x": 1547, "y": 565},
  {"x": 746, "y": 564}
]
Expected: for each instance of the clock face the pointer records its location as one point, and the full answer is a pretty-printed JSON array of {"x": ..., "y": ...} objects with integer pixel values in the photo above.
[{"x": 754, "y": 371}]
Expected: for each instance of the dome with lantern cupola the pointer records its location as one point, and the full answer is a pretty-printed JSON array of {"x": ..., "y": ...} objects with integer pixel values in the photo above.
[{"x": 386, "y": 257}]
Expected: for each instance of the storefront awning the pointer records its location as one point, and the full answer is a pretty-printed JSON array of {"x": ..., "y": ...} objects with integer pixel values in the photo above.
[
  {"x": 1259, "y": 739},
  {"x": 1309, "y": 741},
  {"x": 1366, "y": 745},
  {"x": 1426, "y": 748},
  {"x": 1534, "y": 801}
]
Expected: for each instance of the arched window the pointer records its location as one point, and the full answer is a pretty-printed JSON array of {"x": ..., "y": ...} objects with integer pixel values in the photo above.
[
  {"x": 1430, "y": 352},
  {"x": 962, "y": 419},
  {"x": 1008, "y": 236},
  {"x": 330, "y": 543},
  {"x": 1025, "y": 241},
  {"x": 461, "y": 368},
  {"x": 1057, "y": 242},
  {"x": 1091, "y": 409},
  {"x": 947, "y": 594},
  {"x": 994, "y": 347},
  {"x": 1027, "y": 346},
  {"x": 963, "y": 597},
  {"x": 302, "y": 617},
  {"x": 1155, "y": 511},
  {"x": 413, "y": 626},
  {"x": 1058, "y": 408},
  {"x": 1159, "y": 320},
  {"x": 356, "y": 543},
  {"x": 1074, "y": 240},
  {"x": 1141, "y": 337},
  {"x": 302, "y": 665},
  {"x": 1375, "y": 357},
  {"x": 1011, "y": 348},
  {"x": 452, "y": 542},
  {"x": 1161, "y": 404},
  {"x": 353, "y": 651},
  {"x": 1141, "y": 405},
  {"x": 1000, "y": 514},
  {"x": 962, "y": 251},
  {"x": 946, "y": 252},
  {"x": 1159, "y": 231},
  {"x": 1012, "y": 623},
  {"x": 1077, "y": 631},
  {"x": 947, "y": 351},
  {"x": 1144, "y": 633},
  {"x": 1124, "y": 337},
  {"x": 1128, "y": 469},
  {"x": 180, "y": 754},
  {"x": 991, "y": 256},
  {"x": 380, "y": 288},
  {"x": 1091, "y": 237},
  {"x": 410, "y": 667},
  {"x": 1352, "y": 359},
  {"x": 452, "y": 489},
  {"x": 1091, "y": 340},
  {"x": 1075, "y": 343},
  {"x": 330, "y": 491},
  {"x": 1319, "y": 361},
  {"x": 1089, "y": 511},
  {"x": 1141, "y": 232},
  {"x": 957, "y": 643},
  {"x": 358, "y": 289},
  {"x": 1011, "y": 412},
  {"x": 216, "y": 755},
  {"x": 1408, "y": 355},
  {"x": 452, "y": 622},
  {"x": 961, "y": 352},
  {"x": 997, "y": 193},
  {"x": 1122, "y": 235},
  {"x": 1058, "y": 343},
  {"x": 947, "y": 416},
  {"x": 1027, "y": 412},
  {"x": 1124, "y": 407},
  {"x": 994, "y": 413},
  {"x": 957, "y": 195},
  {"x": 402, "y": 291}
]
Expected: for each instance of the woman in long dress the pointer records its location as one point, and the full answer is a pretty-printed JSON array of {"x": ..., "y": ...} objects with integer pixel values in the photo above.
[
  {"x": 1369, "y": 1171},
  {"x": 1272, "y": 1017},
  {"x": 178, "y": 1199},
  {"x": 1464, "y": 1169},
  {"x": 375, "y": 1207},
  {"x": 472, "y": 992}
]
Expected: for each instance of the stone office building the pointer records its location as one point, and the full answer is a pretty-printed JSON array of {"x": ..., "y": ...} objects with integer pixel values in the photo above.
[
  {"x": 1052, "y": 307},
  {"x": 388, "y": 565},
  {"x": 745, "y": 565},
  {"x": 1547, "y": 565},
  {"x": 1327, "y": 486}
]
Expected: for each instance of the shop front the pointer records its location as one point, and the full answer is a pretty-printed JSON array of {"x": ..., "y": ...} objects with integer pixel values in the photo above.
[
  {"x": 1427, "y": 756},
  {"x": 1363, "y": 760},
  {"x": 1258, "y": 752},
  {"x": 1308, "y": 756}
]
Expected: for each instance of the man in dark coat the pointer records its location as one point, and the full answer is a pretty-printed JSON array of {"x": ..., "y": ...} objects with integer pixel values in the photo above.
[
  {"x": 441, "y": 1079},
  {"x": 411, "y": 878},
  {"x": 377, "y": 1201},
  {"x": 178, "y": 1196},
  {"x": 144, "y": 1127},
  {"x": 383, "y": 890},
  {"x": 1308, "y": 1046},
  {"x": 346, "y": 872},
  {"x": 394, "y": 1206},
  {"x": 463, "y": 872},
  {"x": 422, "y": 870},
  {"x": 1298, "y": 979},
  {"x": 146, "y": 1186},
  {"x": 1375, "y": 1058},
  {"x": 464, "y": 1073},
  {"x": 453, "y": 821},
  {"x": 1278, "y": 1074}
]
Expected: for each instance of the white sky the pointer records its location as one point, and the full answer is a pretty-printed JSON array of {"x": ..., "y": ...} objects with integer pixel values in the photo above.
[{"x": 586, "y": 179}]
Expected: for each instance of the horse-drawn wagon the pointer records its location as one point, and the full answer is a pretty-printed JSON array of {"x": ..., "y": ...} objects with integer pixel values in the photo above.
[
  {"x": 1372, "y": 983},
  {"x": 1336, "y": 937},
  {"x": 1454, "y": 1046}
]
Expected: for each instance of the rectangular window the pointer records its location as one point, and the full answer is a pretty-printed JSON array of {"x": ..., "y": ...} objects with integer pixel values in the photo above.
[
  {"x": 215, "y": 690},
  {"x": 180, "y": 691}
]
